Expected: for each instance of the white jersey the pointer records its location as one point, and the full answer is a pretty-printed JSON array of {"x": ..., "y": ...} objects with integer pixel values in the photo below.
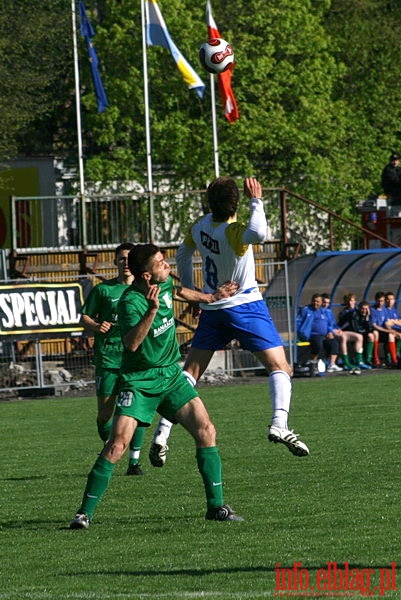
[{"x": 227, "y": 255}]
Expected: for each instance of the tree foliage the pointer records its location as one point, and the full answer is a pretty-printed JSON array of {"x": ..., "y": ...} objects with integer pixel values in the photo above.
[
  {"x": 34, "y": 54},
  {"x": 317, "y": 85}
]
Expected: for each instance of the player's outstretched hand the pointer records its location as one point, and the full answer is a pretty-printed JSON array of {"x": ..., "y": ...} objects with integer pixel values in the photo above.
[
  {"x": 225, "y": 291},
  {"x": 252, "y": 188}
]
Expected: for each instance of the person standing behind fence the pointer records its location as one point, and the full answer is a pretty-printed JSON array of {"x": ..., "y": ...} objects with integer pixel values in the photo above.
[
  {"x": 99, "y": 317},
  {"x": 391, "y": 178},
  {"x": 225, "y": 246}
]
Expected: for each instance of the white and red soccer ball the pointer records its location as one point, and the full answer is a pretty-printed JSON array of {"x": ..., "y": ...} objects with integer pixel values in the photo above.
[{"x": 216, "y": 56}]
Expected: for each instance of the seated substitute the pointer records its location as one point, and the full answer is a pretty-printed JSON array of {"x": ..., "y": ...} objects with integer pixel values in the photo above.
[
  {"x": 315, "y": 326},
  {"x": 393, "y": 324},
  {"x": 351, "y": 335},
  {"x": 361, "y": 322},
  {"x": 381, "y": 333}
]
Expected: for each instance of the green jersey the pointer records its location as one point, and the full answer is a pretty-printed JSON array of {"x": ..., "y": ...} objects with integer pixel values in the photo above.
[
  {"x": 101, "y": 305},
  {"x": 160, "y": 347}
]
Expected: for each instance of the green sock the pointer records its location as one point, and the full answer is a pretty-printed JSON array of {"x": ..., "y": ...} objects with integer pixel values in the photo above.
[
  {"x": 209, "y": 465},
  {"x": 359, "y": 357},
  {"x": 96, "y": 485},
  {"x": 345, "y": 360},
  {"x": 369, "y": 351},
  {"x": 104, "y": 429},
  {"x": 136, "y": 445}
]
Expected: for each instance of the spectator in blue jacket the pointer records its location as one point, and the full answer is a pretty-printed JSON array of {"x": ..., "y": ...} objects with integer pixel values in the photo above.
[
  {"x": 381, "y": 333},
  {"x": 315, "y": 326},
  {"x": 393, "y": 324}
]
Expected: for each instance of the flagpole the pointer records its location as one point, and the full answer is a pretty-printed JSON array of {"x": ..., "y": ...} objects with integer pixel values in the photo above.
[
  {"x": 214, "y": 127},
  {"x": 79, "y": 126},
  {"x": 147, "y": 124}
]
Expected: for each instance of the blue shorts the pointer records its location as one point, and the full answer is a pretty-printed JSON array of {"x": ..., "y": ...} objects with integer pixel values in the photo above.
[{"x": 250, "y": 324}]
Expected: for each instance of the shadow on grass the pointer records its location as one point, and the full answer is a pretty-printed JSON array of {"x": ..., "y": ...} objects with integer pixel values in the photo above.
[
  {"x": 149, "y": 522},
  {"x": 27, "y": 478},
  {"x": 221, "y": 570},
  {"x": 31, "y": 524}
]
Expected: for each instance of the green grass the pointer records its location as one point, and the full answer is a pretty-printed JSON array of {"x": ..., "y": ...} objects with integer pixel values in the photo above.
[{"x": 149, "y": 539}]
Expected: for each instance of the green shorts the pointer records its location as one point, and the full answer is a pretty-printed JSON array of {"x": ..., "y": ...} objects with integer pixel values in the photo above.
[
  {"x": 142, "y": 393},
  {"x": 106, "y": 380}
]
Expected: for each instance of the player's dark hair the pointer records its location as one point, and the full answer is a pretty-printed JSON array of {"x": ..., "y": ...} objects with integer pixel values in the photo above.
[
  {"x": 363, "y": 303},
  {"x": 138, "y": 258},
  {"x": 223, "y": 198},
  {"x": 379, "y": 295},
  {"x": 348, "y": 297},
  {"x": 123, "y": 246}
]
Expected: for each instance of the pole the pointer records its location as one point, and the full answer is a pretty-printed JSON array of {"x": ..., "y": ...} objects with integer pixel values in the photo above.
[
  {"x": 147, "y": 125},
  {"x": 284, "y": 233},
  {"x": 214, "y": 126},
  {"x": 79, "y": 126}
]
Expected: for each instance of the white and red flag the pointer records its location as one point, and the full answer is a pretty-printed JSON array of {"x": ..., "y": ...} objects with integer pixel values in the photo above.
[{"x": 223, "y": 79}]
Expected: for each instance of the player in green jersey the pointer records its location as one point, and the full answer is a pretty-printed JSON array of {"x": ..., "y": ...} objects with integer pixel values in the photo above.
[
  {"x": 99, "y": 317},
  {"x": 152, "y": 380}
]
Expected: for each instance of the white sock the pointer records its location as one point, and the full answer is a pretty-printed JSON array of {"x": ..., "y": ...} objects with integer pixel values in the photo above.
[
  {"x": 280, "y": 394},
  {"x": 163, "y": 428},
  {"x": 134, "y": 454},
  {"x": 190, "y": 378}
]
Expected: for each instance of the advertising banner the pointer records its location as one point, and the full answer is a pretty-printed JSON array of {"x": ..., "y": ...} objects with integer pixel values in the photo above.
[{"x": 31, "y": 311}]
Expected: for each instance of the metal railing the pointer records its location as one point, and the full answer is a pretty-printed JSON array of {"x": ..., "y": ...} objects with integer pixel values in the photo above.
[
  {"x": 99, "y": 221},
  {"x": 44, "y": 366},
  {"x": 43, "y": 223}
]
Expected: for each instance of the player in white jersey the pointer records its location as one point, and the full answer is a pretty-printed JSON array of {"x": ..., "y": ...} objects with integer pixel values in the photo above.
[{"x": 225, "y": 246}]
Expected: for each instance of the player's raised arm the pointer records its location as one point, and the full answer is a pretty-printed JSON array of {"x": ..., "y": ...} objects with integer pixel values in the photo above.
[
  {"x": 256, "y": 231},
  {"x": 135, "y": 336}
]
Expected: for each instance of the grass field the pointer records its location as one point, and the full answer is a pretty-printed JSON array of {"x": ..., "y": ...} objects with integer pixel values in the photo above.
[{"x": 150, "y": 540}]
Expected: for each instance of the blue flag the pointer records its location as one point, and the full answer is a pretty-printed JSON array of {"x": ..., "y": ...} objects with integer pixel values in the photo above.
[
  {"x": 88, "y": 33},
  {"x": 158, "y": 35}
]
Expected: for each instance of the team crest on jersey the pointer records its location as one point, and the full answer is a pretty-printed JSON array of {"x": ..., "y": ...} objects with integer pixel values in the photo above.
[
  {"x": 209, "y": 243},
  {"x": 167, "y": 323},
  {"x": 168, "y": 300}
]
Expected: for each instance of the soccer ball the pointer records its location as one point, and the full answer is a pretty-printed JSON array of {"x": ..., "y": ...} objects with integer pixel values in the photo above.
[{"x": 216, "y": 56}]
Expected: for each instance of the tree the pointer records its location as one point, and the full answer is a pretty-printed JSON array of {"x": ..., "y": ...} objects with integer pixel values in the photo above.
[
  {"x": 316, "y": 83},
  {"x": 283, "y": 80},
  {"x": 366, "y": 34},
  {"x": 34, "y": 52}
]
